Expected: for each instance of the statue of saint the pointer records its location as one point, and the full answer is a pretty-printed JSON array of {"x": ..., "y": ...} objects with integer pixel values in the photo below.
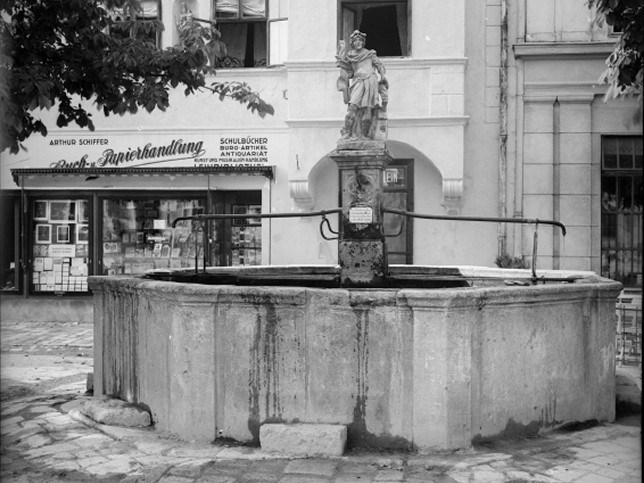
[{"x": 364, "y": 87}]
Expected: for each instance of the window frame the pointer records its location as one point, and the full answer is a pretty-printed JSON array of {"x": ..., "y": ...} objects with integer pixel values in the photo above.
[
  {"x": 267, "y": 20},
  {"x": 407, "y": 47},
  {"x": 610, "y": 215},
  {"x": 31, "y": 222},
  {"x": 158, "y": 17}
]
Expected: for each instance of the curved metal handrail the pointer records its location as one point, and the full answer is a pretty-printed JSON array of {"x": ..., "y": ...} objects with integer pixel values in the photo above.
[{"x": 524, "y": 221}]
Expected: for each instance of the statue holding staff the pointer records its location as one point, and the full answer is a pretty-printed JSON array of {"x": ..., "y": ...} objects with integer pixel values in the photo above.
[{"x": 364, "y": 87}]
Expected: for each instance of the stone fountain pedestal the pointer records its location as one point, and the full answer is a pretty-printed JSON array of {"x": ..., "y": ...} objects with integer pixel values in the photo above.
[{"x": 361, "y": 248}]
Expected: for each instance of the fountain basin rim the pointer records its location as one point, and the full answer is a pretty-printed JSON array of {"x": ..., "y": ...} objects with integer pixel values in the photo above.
[{"x": 294, "y": 294}]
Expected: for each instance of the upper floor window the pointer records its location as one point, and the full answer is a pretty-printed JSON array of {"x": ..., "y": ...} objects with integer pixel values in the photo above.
[
  {"x": 386, "y": 24},
  {"x": 255, "y": 31},
  {"x": 143, "y": 24}
]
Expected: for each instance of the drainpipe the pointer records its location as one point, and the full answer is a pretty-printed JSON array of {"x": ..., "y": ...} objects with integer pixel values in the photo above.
[
  {"x": 556, "y": 182},
  {"x": 503, "y": 129}
]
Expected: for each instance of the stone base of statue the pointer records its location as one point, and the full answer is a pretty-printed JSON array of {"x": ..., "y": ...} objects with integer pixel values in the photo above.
[{"x": 371, "y": 145}]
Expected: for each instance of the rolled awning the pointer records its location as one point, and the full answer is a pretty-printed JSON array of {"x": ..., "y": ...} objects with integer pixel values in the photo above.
[{"x": 260, "y": 170}]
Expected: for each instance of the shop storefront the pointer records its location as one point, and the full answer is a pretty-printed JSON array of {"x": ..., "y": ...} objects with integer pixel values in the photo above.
[{"x": 108, "y": 209}]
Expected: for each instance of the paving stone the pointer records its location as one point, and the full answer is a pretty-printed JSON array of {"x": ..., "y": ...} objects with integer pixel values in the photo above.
[
  {"x": 595, "y": 478},
  {"x": 259, "y": 477},
  {"x": 216, "y": 479},
  {"x": 10, "y": 421},
  {"x": 8, "y": 430},
  {"x": 175, "y": 479},
  {"x": 188, "y": 469},
  {"x": 35, "y": 441},
  {"x": 566, "y": 474},
  {"x": 311, "y": 467},
  {"x": 388, "y": 476},
  {"x": 303, "y": 439},
  {"x": 118, "y": 466},
  {"x": 20, "y": 434},
  {"x": 248, "y": 454},
  {"x": 303, "y": 479},
  {"x": 13, "y": 409},
  {"x": 96, "y": 459},
  {"x": 356, "y": 479}
]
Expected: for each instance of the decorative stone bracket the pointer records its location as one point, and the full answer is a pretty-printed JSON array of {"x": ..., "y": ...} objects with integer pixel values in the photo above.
[
  {"x": 452, "y": 195},
  {"x": 299, "y": 190}
]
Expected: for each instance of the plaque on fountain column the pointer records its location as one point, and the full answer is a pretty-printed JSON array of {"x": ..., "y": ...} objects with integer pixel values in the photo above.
[{"x": 361, "y": 214}]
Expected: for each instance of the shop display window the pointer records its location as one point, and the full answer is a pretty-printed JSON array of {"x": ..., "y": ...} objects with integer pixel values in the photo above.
[
  {"x": 246, "y": 236},
  {"x": 236, "y": 241},
  {"x": 137, "y": 235},
  {"x": 60, "y": 245}
]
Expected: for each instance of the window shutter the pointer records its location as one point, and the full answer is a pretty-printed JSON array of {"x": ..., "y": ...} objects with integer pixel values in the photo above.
[{"x": 278, "y": 31}]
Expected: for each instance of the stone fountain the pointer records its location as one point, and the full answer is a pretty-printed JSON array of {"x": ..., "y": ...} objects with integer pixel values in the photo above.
[{"x": 362, "y": 345}]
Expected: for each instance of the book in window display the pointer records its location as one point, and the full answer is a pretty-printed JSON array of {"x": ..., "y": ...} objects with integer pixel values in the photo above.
[
  {"x": 43, "y": 233},
  {"x": 62, "y": 211},
  {"x": 82, "y": 212},
  {"x": 62, "y": 234},
  {"x": 41, "y": 210},
  {"x": 82, "y": 234}
]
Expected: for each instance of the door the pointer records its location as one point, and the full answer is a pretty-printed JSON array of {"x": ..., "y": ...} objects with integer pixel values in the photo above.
[{"x": 399, "y": 194}]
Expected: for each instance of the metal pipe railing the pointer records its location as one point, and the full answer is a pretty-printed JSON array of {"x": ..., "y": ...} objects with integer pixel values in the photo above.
[
  {"x": 229, "y": 216},
  {"x": 408, "y": 214},
  {"x": 201, "y": 218},
  {"x": 524, "y": 221}
]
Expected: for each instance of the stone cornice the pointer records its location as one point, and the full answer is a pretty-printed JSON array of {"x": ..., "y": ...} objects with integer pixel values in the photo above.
[
  {"x": 535, "y": 50},
  {"x": 393, "y": 122},
  {"x": 392, "y": 63}
]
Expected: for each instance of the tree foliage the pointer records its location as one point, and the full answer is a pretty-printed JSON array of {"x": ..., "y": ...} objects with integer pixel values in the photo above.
[
  {"x": 624, "y": 65},
  {"x": 64, "y": 53}
]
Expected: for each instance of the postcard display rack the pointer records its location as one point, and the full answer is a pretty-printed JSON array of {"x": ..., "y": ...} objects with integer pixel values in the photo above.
[
  {"x": 138, "y": 236},
  {"x": 61, "y": 245}
]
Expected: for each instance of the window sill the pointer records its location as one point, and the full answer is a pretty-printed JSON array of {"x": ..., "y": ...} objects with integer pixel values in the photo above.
[{"x": 250, "y": 71}]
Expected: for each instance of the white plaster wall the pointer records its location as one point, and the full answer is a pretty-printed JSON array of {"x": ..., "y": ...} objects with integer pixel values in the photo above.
[{"x": 560, "y": 20}]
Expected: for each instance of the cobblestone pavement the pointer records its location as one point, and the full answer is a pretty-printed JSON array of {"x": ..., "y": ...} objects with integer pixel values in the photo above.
[{"x": 45, "y": 438}]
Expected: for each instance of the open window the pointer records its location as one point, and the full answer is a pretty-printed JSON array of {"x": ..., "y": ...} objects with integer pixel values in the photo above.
[
  {"x": 386, "y": 24},
  {"x": 144, "y": 24},
  {"x": 254, "y": 32}
]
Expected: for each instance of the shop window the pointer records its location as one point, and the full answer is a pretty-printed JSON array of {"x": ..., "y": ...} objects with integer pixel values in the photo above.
[
  {"x": 385, "y": 23},
  {"x": 622, "y": 209},
  {"x": 143, "y": 24},
  {"x": 137, "y": 235},
  {"x": 60, "y": 245},
  {"x": 398, "y": 194},
  {"x": 254, "y": 31},
  {"x": 238, "y": 241}
]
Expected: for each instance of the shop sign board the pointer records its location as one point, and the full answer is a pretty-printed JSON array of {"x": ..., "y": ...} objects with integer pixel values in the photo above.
[{"x": 161, "y": 151}]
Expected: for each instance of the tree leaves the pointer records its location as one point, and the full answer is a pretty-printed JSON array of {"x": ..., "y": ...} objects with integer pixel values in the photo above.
[
  {"x": 625, "y": 64},
  {"x": 54, "y": 51}
]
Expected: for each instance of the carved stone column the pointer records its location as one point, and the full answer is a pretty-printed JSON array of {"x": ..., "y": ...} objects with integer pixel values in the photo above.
[{"x": 361, "y": 248}]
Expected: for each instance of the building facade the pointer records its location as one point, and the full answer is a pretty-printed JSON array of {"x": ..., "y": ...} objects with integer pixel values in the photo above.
[{"x": 494, "y": 111}]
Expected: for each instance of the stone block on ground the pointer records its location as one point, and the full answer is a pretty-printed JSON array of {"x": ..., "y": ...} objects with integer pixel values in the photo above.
[
  {"x": 115, "y": 412},
  {"x": 322, "y": 440}
]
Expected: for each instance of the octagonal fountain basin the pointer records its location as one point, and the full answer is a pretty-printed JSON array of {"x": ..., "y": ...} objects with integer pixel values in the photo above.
[{"x": 490, "y": 356}]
